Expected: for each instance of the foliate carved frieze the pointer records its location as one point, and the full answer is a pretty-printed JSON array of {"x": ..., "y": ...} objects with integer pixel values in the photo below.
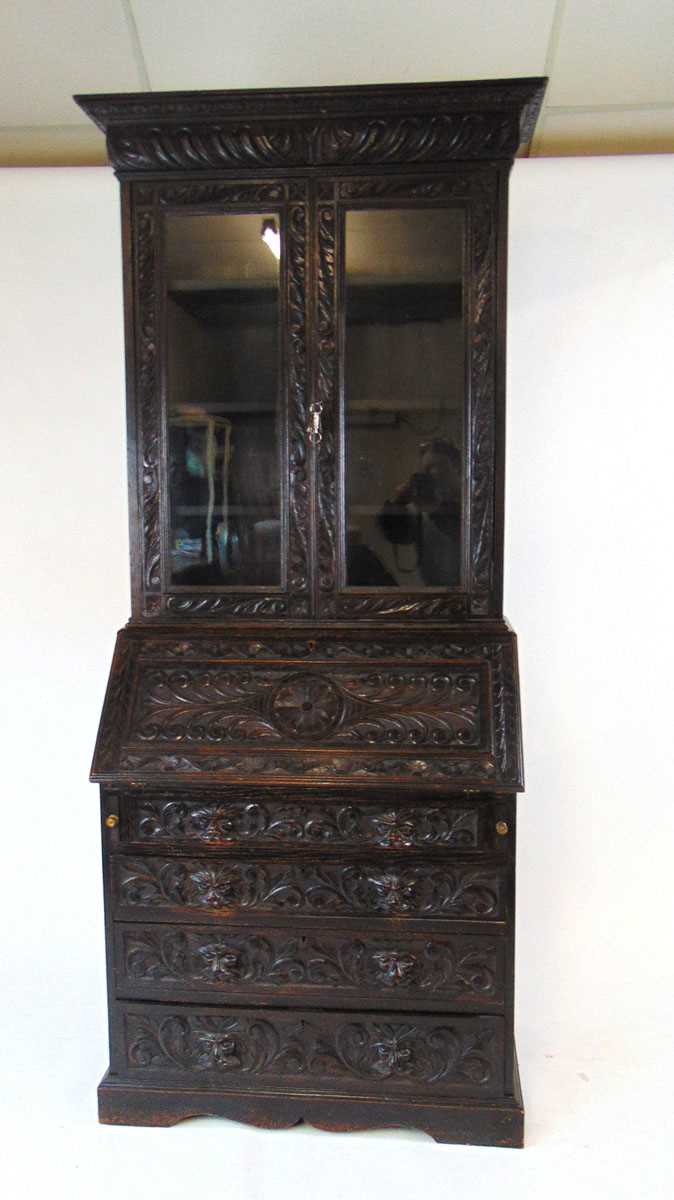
[
  {"x": 426, "y": 137},
  {"x": 456, "y": 968},
  {"x": 462, "y": 890},
  {"x": 221, "y": 192},
  {"x": 226, "y": 605},
  {"x": 318, "y": 647},
  {"x": 403, "y": 606},
  {"x": 306, "y": 767},
  {"x": 401, "y": 707},
  {"x": 457, "y": 186},
  {"x": 321, "y": 823},
  {"x": 287, "y": 1048}
]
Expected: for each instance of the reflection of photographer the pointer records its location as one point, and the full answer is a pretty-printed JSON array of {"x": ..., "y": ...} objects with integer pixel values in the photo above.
[{"x": 425, "y": 513}]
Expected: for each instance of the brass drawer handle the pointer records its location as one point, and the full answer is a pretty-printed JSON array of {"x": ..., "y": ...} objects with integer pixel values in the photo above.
[
  {"x": 501, "y": 828},
  {"x": 112, "y": 821}
]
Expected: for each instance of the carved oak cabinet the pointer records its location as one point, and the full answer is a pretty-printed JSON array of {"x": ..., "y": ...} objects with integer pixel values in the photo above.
[{"x": 310, "y": 744}]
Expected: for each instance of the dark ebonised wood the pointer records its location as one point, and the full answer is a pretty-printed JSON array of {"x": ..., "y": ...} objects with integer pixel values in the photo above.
[{"x": 308, "y": 791}]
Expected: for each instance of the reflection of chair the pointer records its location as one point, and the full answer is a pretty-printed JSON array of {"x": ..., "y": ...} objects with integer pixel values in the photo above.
[{"x": 212, "y": 452}]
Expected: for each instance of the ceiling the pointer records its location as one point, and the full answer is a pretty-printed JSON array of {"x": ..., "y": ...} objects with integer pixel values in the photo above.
[{"x": 610, "y": 62}]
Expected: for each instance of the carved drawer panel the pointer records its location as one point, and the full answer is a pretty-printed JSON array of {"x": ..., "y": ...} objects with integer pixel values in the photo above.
[
  {"x": 468, "y": 890},
  {"x": 306, "y": 823},
  {"x": 351, "y": 1052},
  {"x": 458, "y": 970}
]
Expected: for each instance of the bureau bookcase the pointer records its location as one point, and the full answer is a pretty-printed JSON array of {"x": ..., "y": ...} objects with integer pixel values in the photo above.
[{"x": 310, "y": 750}]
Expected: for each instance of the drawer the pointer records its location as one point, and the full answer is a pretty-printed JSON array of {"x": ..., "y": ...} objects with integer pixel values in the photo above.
[
  {"x": 466, "y": 890},
  {"x": 305, "y": 822},
  {"x": 338, "y": 1052},
  {"x": 203, "y": 962}
]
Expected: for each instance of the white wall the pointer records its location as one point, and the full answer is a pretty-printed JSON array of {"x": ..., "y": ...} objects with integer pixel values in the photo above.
[{"x": 588, "y": 588}]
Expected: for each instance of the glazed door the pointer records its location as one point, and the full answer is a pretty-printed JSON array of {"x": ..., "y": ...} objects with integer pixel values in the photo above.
[
  {"x": 219, "y": 289},
  {"x": 407, "y": 385}
]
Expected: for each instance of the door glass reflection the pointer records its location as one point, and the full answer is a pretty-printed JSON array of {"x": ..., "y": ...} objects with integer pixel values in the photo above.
[
  {"x": 405, "y": 387},
  {"x": 222, "y": 392}
]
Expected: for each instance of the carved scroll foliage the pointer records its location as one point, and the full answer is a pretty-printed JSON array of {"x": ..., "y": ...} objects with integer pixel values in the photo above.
[
  {"x": 176, "y": 194},
  {"x": 420, "y": 890},
  {"x": 482, "y": 372},
  {"x": 291, "y": 1048},
  {"x": 241, "y": 960},
  {"x": 299, "y": 532},
  {"x": 306, "y": 766},
  {"x": 324, "y": 823},
  {"x": 326, "y": 382},
  {"x": 223, "y": 605},
  {"x": 476, "y": 182},
  {"x": 148, "y": 392},
  {"x": 405, "y": 707}
]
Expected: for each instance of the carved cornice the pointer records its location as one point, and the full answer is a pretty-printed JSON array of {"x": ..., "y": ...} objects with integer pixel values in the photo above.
[{"x": 316, "y": 126}]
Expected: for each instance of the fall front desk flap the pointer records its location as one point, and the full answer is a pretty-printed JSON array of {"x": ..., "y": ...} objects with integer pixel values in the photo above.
[{"x": 442, "y": 709}]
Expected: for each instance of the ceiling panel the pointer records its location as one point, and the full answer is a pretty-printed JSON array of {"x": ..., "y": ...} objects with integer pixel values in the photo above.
[
  {"x": 614, "y": 52},
  {"x": 216, "y": 44},
  {"x": 53, "y": 48},
  {"x": 52, "y": 146},
  {"x": 618, "y": 131}
]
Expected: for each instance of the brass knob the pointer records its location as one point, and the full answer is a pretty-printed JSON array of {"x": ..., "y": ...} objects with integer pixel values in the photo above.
[
  {"x": 501, "y": 828},
  {"x": 112, "y": 820}
]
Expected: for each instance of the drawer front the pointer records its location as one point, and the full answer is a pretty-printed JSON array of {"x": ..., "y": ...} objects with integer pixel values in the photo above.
[
  {"x": 305, "y": 823},
  {"x": 352, "y": 1052},
  {"x": 181, "y": 887},
  {"x": 207, "y": 962}
]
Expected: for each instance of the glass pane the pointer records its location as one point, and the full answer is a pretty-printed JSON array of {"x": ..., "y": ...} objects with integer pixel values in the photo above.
[
  {"x": 222, "y": 391},
  {"x": 405, "y": 387}
]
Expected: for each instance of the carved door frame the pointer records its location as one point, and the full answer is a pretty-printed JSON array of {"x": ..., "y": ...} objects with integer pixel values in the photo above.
[
  {"x": 145, "y": 204},
  {"x": 480, "y": 190}
]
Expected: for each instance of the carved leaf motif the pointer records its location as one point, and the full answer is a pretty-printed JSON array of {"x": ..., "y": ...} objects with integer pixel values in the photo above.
[
  {"x": 418, "y": 890},
  {"x": 456, "y": 967},
  {"x": 402, "y": 707},
  {"x": 212, "y": 821},
  {"x": 423, "y": 1051}
]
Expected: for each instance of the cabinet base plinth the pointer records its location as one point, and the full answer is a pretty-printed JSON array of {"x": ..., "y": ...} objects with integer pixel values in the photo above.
[{"x": 494, "y": 1123}]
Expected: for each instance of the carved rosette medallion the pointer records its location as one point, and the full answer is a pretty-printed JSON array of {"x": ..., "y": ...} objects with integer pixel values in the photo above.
[{"x": 307, "y": 706}]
